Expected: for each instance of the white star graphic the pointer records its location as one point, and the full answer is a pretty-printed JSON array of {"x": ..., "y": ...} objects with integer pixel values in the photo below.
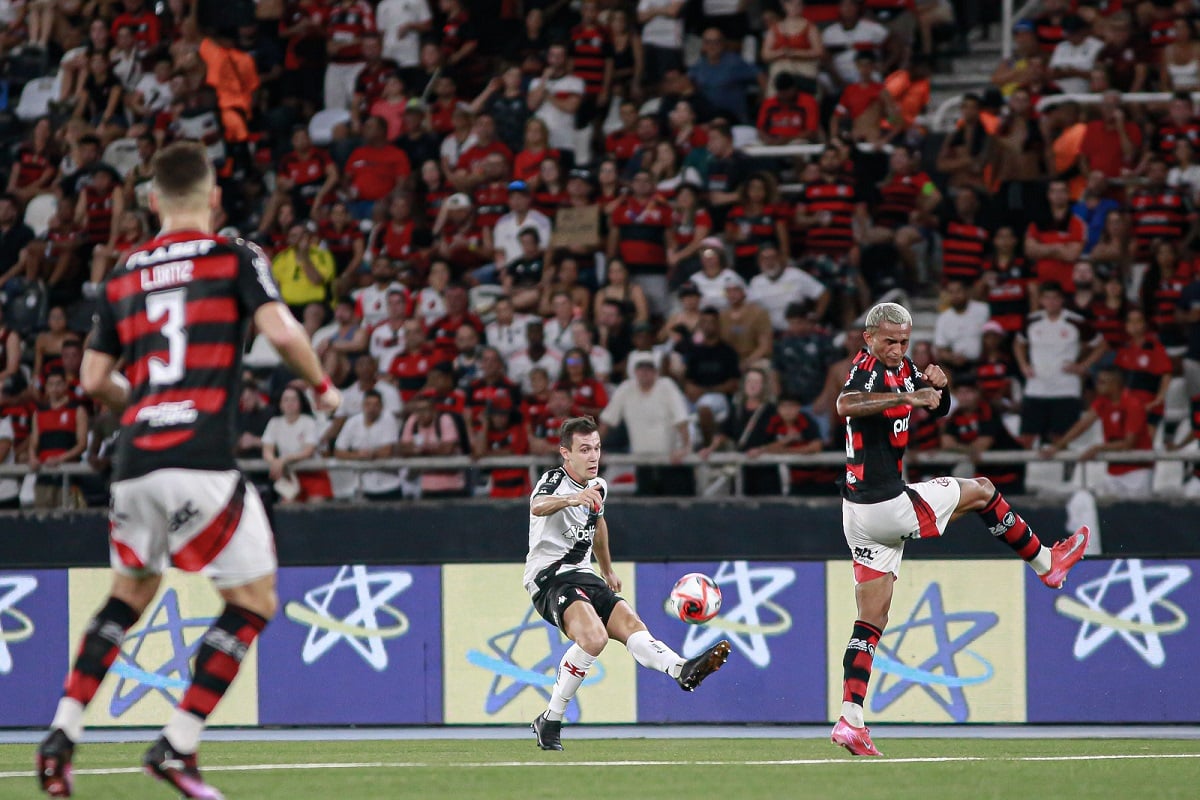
[
  {"x": 13, "y": 589},
  {"x": 742, "y": 624},
  {"x": 1141, "y": 631},
  {"x": 360, "y": 628}
]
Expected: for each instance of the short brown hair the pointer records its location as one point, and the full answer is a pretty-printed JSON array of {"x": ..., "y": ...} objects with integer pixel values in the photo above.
[
  {"x": 575, "y": 425},
  {"x": 181, "y": 169}
]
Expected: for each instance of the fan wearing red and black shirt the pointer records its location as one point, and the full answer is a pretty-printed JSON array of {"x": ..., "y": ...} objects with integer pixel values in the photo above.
[
  {"x": 458, "y": 313},
  {"x": 502, "y": 433},
  {"x": 34, "y": 170},
  {"x": 794, "y": 432},
  {"x": 491, "y": 385},
  {"x": 1055, "y": 242},
  {"x": 1146, "y": 366},
  {"x": 344, "y": 240},
  {"x": 543, "y": 425},
  {"x": 346, "y": 23},
  {"x": 622, "y": 143},
  {"x": 591, "y": 51},
  {"x": 175, "y": 313},
  {"x": 59, "y": 435},
  {"x": 468, "y": 171},
  {"x": 790, "y": 116},
  {"x": 1180, "y": 124},
  {"x": 638, "y": 236},
  {"x": 965, "y": 242},
  {"x": 976, "y": 428},
  {"x": 1122, "y": 416},
  {"x": 827, "y": 208},
  {"x": 410, "y": 367},
  {"x": 880, "y": 512},
  {"x": 307, "y": 172},
  {"x": 1158, "y": 211}
]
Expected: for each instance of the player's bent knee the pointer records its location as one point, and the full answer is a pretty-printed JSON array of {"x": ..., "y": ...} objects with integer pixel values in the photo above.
[{"x": 593, "y": 641}]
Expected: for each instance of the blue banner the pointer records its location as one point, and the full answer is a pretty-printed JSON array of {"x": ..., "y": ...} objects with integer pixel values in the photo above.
[
  {"x": 353, "y": 645},
  {"x": 34, "y": 649},
  {"x": 772, "y": 613}
]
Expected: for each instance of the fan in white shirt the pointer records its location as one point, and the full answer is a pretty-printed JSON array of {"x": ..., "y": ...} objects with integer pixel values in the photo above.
[
  {"x": 402, "y": 22},
  {"x": 555, "y": 96},
  {"x": 778, "y": 286},
  {"x": 369, "y": 435},
  {"x": 366, "y": 370},
  {"x": 537, "y": 354},
  {"x": 371, "y": 302},
  {"x": 508, "y": 333},
  {"x": 1073, "y": 58},
  {"x": 714, "y": 276}
]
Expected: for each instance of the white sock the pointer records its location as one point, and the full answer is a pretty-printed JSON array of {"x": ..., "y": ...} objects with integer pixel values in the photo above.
[
  {"x": 571, "y": 672},
  {"x": 69, "y": 718},
  {"x": 853, "y": 713},
  {"x": 1041, "y": 562},
  {"x": 183, "y": 732},
  {"x": 653, "y": 654}
]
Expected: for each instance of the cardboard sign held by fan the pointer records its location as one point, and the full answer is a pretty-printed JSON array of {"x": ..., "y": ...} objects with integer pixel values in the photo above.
[{"x": 576, "y": 227}]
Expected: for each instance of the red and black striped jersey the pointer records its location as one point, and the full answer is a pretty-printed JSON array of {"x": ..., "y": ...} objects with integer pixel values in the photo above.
[
  {"x": 392, "y": 240},
  {"x": 306, "y": 171},
  {"x": 56, "y": 429},
  {"x": 371, "y": 80},
  {"x": 482, "y": 393},
  {"x": 491, "y": 203},
  {"x": 1008, "y": 295},
  {"x": 641, "y": 234},
  {"x": 340, "y": 241},
  {"x": 590, "y": 49},
  {"x": 758, "y": 227},
  {"x": 99, "y": 206},
  {"x": 1107, "y": 321},
  {"x": 21, "y": 417},
  {"x": 176, "y": 313},
  {"x": 510, "y": 481},
  {"x": 442, "y": 332},
  {"x": 1144, "y": 365},
  {"x": 411, "y": 370},
  {"x": 875, "y": 444},
  {"x": 1158, "y": 214},
  {"x": 898, "y": 199},
  {"x": 346, "y": 23},
  {"x": 995, "y": 378},
  {"x": 838, "y": 199},
  {"x": 963, "y": 247},
  {"x": 1170, "y": 134},
  {"x": 788, "y": 122},
  {"x": 30, "y": 165}
]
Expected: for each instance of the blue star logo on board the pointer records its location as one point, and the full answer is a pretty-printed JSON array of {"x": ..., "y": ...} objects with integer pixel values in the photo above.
[
  {"x": 359, "y": 627},
  {"x": 15, "y": 625},
  {"x": 755, "y": 617},
  {"x": 512, "y": 676},
  {"x": 168, "y": 678},
  {"x": 1146, "y": 616},
  {"x": 937, "y": 675}
]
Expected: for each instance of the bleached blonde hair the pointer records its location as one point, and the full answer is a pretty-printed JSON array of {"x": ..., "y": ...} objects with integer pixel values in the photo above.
[{"x": 887, "y": 312}]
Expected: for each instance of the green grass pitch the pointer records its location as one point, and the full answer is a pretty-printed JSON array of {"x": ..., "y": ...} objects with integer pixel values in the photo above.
[{"x": 641, "y": 769}]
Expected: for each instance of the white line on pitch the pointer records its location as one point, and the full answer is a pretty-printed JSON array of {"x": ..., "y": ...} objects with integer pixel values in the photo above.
[{"x": 797, "y": 762}]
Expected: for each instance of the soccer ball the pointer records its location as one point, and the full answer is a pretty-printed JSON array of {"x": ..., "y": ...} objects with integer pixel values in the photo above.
[{"x": 695, "y": 598}]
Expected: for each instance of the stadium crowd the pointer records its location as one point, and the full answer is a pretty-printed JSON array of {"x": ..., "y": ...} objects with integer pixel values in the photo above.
[{"x": 493, "y": 215}]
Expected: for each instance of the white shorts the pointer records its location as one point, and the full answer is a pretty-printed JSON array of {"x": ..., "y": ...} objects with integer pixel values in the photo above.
[
  {"x": 876, "y": 532},
  {"x": 197, "y": 520}
]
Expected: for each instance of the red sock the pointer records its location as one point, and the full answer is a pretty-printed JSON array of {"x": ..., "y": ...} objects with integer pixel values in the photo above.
[
  {"x": 856, "y": 664},
  {"x": 98, "y": 650},
  {"x": 1006, "y": 524},
  {"x": 220, "y": 656}
]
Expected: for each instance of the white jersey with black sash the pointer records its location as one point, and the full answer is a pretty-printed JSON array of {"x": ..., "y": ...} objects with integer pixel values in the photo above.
[{"x": 562, "y": 540}]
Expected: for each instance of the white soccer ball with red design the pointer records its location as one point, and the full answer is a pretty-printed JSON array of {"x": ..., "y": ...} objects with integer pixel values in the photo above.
[{"x": 695, "y": 598}]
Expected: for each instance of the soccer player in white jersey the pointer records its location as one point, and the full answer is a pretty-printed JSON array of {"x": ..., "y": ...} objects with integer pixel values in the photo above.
[{"x": 566, "y": 526}]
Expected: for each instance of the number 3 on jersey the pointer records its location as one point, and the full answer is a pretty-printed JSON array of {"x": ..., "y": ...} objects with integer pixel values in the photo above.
[{"x": 169, "y": 306}]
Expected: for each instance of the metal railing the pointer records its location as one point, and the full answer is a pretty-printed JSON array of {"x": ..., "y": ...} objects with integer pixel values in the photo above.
[{"x": 711, "y": 467}]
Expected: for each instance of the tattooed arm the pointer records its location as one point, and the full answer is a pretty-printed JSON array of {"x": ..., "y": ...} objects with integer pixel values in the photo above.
[{"x": 864, "y": 404}]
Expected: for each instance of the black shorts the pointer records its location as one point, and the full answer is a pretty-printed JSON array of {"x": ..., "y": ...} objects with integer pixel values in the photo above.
[
  {"x": 1049, "y": 417},
  {"x": 574, "y": 587}
]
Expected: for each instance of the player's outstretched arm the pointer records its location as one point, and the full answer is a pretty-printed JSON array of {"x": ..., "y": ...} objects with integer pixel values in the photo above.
[
  {"x": 101, "y": 381},
  {"x": 290, "y": 339}
]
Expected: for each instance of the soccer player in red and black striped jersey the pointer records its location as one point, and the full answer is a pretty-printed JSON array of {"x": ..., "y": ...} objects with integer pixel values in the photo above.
[
  {"x": 176, "y": 315},
  {"x": 880, "y": 512}
]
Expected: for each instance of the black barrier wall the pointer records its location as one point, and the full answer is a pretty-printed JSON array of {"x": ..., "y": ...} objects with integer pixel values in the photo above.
[{"x": 641, "y": 530}]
